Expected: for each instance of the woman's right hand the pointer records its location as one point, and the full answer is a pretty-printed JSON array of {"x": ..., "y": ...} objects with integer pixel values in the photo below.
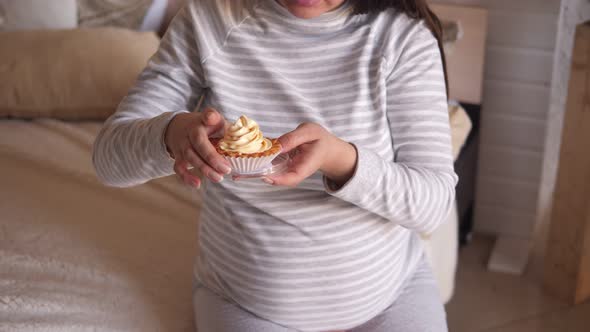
[{"x": 187, "y": 140}]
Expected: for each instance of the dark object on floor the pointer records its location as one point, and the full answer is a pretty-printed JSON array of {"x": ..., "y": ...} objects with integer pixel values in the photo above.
[{"x": 466, "y": 167}]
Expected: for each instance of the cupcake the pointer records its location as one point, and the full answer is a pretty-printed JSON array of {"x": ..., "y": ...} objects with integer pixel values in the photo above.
[{"x": 246, "y": 149}]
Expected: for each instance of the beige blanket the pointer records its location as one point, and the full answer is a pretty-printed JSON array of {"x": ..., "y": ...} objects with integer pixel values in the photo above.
[{"x": 77, "y": 256}]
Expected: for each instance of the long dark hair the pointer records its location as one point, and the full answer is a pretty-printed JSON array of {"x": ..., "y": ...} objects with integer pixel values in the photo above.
[{"x": 416, "y": 9}]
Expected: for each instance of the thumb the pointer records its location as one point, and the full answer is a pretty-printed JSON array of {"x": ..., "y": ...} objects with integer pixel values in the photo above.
[
  {"x": 305, "y": 133},
  {"x": 212, "y": 120}
]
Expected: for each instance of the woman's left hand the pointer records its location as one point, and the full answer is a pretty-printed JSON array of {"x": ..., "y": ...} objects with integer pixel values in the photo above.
[{"x": 313, "y": 148}]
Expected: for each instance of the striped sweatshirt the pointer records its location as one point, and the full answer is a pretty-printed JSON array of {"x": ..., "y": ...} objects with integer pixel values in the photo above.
[{"x": 308, "y": 258}]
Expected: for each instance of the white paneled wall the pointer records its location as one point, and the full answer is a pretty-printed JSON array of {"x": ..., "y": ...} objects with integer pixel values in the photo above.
[{"x": 518, "y": 72}]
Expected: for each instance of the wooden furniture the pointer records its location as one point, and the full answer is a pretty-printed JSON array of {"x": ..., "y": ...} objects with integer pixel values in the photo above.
[{"x": 567, "y": 260}]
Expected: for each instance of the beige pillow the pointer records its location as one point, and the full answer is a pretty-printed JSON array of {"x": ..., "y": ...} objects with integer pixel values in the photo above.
[
  {"x": 460, "y": 128},
  {"x": 70, "y": 74}
]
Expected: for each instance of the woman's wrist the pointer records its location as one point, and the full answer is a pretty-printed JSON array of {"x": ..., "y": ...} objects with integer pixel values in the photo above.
[
  {"x": 340, "y": 162},
  {"x": 166, "y": 137}
]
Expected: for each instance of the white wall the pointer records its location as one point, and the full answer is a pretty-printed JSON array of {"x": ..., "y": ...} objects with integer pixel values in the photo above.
[{"x": 520, "y": 50}]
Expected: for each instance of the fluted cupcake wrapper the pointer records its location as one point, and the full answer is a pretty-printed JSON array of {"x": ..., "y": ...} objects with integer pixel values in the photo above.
[{"x": 248, "y": 165}]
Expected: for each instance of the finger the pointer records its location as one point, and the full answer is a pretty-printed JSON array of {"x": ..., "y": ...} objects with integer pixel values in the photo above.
[
  {"x": 205, "y": 169},
  {"x": 302, "y": 168},
  {"x": 181, "y": 169},
  {"x": 292, "y": 178},
  {"x": 305, "y": 133},
  {"x": 206, "y": 151},
  {"x": 213, "y": 121},
  {"x": 187, "y": 177}
]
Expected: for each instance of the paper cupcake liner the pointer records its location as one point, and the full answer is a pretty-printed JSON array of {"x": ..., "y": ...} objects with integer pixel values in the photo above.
[{"x": 246, "y": 165}]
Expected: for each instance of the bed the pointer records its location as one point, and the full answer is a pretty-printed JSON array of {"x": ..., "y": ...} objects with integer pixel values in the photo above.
[{"x": 78, "y": 256}]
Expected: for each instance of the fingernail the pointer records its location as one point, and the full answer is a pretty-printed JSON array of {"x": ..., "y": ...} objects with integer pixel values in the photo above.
[
  {"x": 216, "y": 177},
  {"x": 196, "y": 184},
  {"x": 268, "y": 181},
  {"x": 224, "y": 169}
]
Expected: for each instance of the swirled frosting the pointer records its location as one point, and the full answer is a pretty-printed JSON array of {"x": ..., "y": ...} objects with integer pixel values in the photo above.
[{"x": 244, "y": 136}]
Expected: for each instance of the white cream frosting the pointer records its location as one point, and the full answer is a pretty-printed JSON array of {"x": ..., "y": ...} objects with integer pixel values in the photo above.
[{"x": 244, "y": 136}]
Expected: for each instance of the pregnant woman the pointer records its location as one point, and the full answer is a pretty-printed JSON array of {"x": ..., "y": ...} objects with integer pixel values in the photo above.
[{"x": 358, "y": 89}]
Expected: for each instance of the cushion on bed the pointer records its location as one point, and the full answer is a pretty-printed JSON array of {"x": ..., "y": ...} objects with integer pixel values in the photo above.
[
  {"x": 38, "y": 14},
  {"x": 70, "y": 74},
  {"x": 461, "y": 126}
]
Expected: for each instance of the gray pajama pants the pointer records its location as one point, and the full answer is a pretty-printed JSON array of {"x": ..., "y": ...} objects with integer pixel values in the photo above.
[{"x": 417, "y": 309}]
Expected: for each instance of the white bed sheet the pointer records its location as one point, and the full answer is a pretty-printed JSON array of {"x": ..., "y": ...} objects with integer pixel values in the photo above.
[{"x": 77, "y": 256}]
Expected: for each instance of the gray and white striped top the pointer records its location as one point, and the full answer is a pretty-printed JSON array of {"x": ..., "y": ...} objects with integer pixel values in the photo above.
[{"x": 307, "y": 258}]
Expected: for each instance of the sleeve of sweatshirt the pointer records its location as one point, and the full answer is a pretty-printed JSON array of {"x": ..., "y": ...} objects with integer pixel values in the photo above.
[
  {"x": 416, "y": 190},
  {"x": 130, "y": 149}
]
